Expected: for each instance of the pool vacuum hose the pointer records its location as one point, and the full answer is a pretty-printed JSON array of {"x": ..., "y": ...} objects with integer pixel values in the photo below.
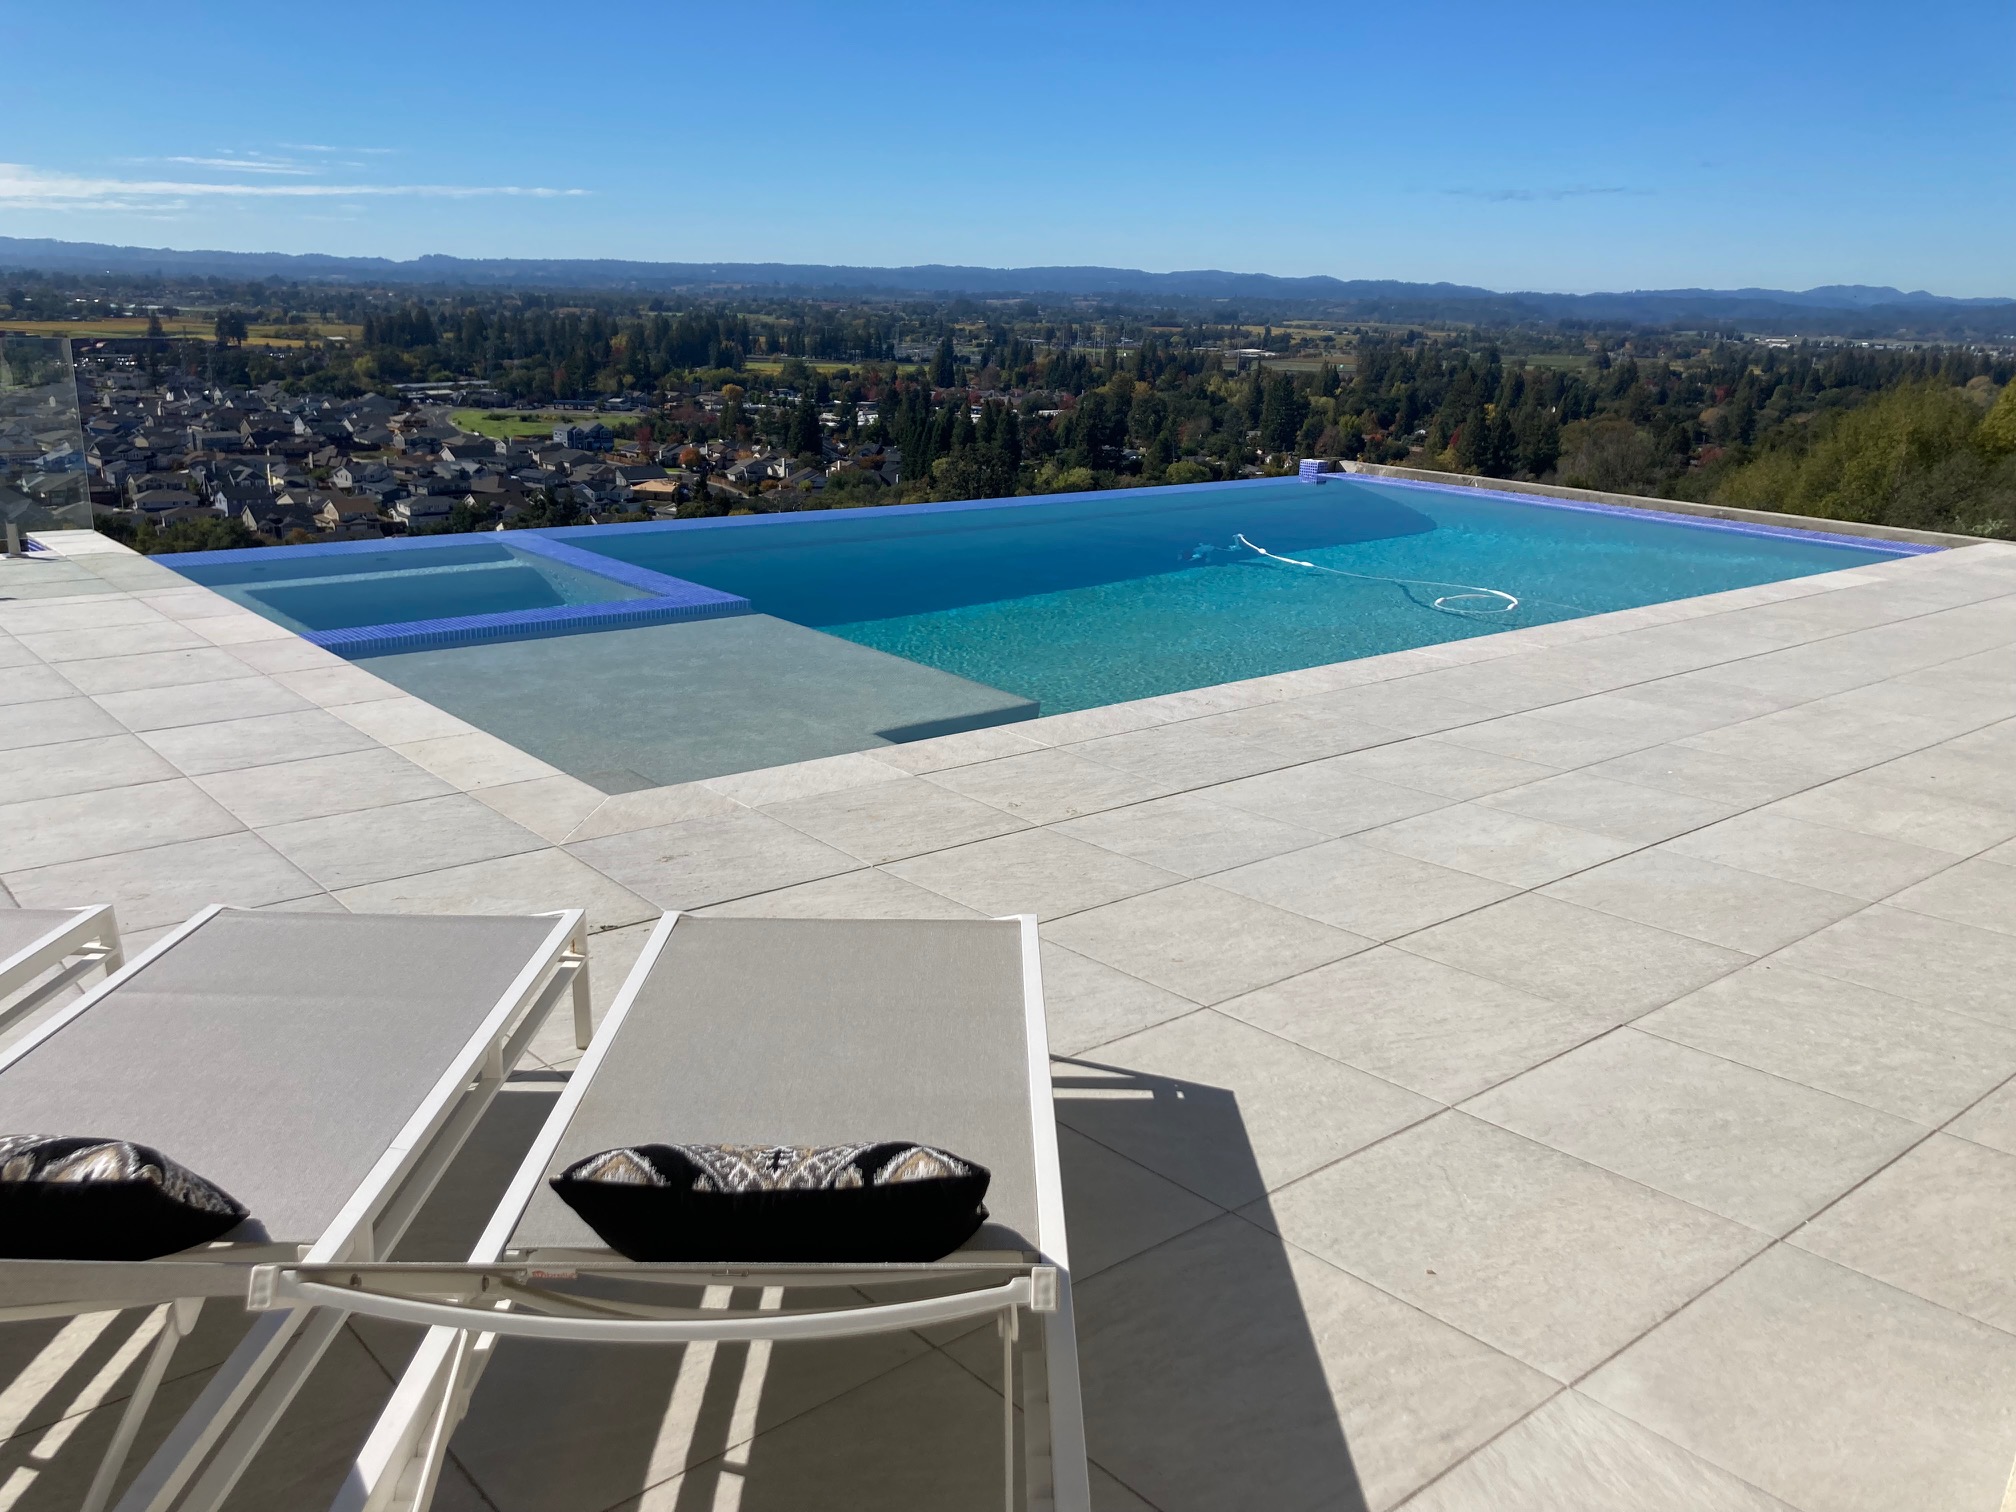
[{"x": 1448, "y": 603}]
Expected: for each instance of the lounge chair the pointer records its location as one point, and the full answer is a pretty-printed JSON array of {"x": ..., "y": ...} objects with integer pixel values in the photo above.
[
  {"x": 36, "y": 941},
  {"x": 323, "y": 1069},
  {"x": 785, "y": 1031}
]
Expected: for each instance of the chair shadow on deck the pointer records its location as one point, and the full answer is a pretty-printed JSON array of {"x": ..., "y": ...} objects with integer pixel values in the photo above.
[{"x": 1204, "y": 1384}]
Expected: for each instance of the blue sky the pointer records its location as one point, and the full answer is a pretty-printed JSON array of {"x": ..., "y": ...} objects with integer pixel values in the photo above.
[{"x": 1570, "y": 146}]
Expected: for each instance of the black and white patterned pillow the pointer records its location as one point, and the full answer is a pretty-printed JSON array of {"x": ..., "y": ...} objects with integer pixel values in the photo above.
[
  {"x": 889, "y": 1201},
  {"x": 69, "y": 1197}
]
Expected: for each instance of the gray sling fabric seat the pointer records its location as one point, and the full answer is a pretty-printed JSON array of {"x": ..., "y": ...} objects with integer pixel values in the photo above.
[
  {"x": 764, "y": 1031},
  {"x": 276, "y": 1054},
  {"x": 813, "y": 1032},
  {"x": 324, "y": 1069}
]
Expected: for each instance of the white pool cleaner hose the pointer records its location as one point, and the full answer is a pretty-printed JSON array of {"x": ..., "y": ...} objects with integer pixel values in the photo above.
[{"x": 1496, "y": 601}]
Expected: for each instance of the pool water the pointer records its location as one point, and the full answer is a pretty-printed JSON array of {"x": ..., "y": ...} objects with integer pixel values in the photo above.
[
  {"x": 1098, "y": 599},
  {"x": 377, "y": 588}
]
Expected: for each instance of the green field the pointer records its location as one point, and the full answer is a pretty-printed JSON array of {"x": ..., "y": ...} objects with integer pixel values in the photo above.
[{"x": 510, "y": 425}]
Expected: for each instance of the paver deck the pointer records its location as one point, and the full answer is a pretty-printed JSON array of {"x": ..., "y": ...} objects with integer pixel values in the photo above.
[{"x": 1566, "y": 1069}]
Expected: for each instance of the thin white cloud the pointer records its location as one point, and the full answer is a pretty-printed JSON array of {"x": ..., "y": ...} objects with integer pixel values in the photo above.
[
  {"x": 244, "y": 164},
  {"x": 324, "y": 147},
  {"x": 26, "y": 188}
]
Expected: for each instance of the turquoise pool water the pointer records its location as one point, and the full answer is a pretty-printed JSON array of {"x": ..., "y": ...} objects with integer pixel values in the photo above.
[
  {"x": 1098, "y": 599},
  {"x": 309, "y": 593}
]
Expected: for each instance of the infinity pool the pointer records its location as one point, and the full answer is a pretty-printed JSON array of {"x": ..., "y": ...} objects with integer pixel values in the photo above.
[
  {"x": 634, "y": 655},
  {"x": 1106, "y": 597}
]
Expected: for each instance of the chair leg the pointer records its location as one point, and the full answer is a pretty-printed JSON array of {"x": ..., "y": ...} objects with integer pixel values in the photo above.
[
  {"x": 178, "y": 1319},
  {"x": 162, "y": 1478},
  {"x": 1067, "y": 1478},
  {"x": 263, "y": 1411}
]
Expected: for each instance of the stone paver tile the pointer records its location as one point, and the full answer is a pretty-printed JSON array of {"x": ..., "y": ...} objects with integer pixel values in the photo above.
[
  {"x": 531, "y": 882},
  {"x": 1575, "y": 955},
  {"x": 187, "y": 603},
  {"x": 1708, "y": 776},
  {"x": 1032, "y": 871},
  {"x": 1187, "y": 834},
  {"x": 1489, "y": 843},
  {"x": 1089, "y": 1004},
  {"x": 619, "y": 1419},
  {"x": 1576, "y": 1455},
  {"x": 53, "y": 721},
  {"x": 1428, "y": 1027},
  {"x": 1370, "y": 892},
  {"x": 1202, "y": 942},
  {"x": 869, "y": 893},
  {"x": 1298, "y": 1379},
  {"x": 320, "y": 785},
  {"x": 803, "y": 779},
  {"x": 327, "y": 687},
  {"x": 158, "y": 669},
  {"x": 1723, "y": 905},
  {"x": 1570, "y": 735},
  {"x": 1945, "y": 965},
  {"x": 230, "y": 745},
  {"x": 82, "y": 766},
  {"x": 889, "y": 820},
  {"x": 1318, "y": 796},
  {"x": 1604, "y": 806},
  {"x": 77, "y": 826},
  {"x": 1408, "y": 705},
  {"x": 551, "y": 807},
  {"x": 611, "y": 954},
  {"x": 1046, "y": 785},
  {"x": 647, "y": 808},
  {"x": 1750, "y": 1146},
  {"x": 200, "y": 703},
  {"x": 32, "y": 682},
  {"x": 1227, "y": 1110},
  {"x": 1833, "y": 739},
  {"x": 1115, "y": 1208},
  {"x": 1088, "y": 724},
  {"x": 1436, "y": 766},
  {"x": 1181, "y": 756},
  {"x": 401, "y": 721},
  {"x": 1828, "y": 1389},
  {"x": 168, "y": 883},
  {"x": 156, "y": 633},
  {"x": 1982, "y": 893},
  {"x": 963, "y": 749},
  {"x": 1905, "y": 1058},
  {"x": 1940, "y": 1223},
  {"x": 26, "y": 617},
  {"x": 238, "y": 629},
  {"x": 1552, "y": 1260},
  {"x": 1954, "y": 772},
  {"x": 700, "y": 861},
  {"x": 477, "y": 760},
  {"x": 1818, "y": 855},
  {"x": 1869, "y": 805},
  {"x": 1297, "y": 729},
  {"x": 833, "y": 1456},
  {"x": 288, "y": 654},
  {"x": 399, "y": 840},
  {"x": 1992, "y": 1121}
]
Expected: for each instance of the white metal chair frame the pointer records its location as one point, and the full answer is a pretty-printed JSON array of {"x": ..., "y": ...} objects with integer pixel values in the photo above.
[
  {"x": 500, "y": 1294},
  {"x": 254, "y": 1386},
  {"x": 90, "y": 939}
]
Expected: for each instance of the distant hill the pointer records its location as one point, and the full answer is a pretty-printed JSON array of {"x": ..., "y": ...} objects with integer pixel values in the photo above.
[{"x": 1855, "y": 309}]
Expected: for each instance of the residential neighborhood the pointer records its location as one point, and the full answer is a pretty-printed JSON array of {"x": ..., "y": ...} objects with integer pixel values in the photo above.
[{"x": 293, "y": 467}]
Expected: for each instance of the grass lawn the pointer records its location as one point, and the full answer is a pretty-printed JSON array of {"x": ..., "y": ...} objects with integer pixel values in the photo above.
[
  {"x": 199, "y": 330},
  {"x": 507, "y": 425}
]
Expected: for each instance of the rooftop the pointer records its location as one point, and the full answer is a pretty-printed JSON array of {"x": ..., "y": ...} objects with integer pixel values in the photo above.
[{"x": 1564, "y": 1068}]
